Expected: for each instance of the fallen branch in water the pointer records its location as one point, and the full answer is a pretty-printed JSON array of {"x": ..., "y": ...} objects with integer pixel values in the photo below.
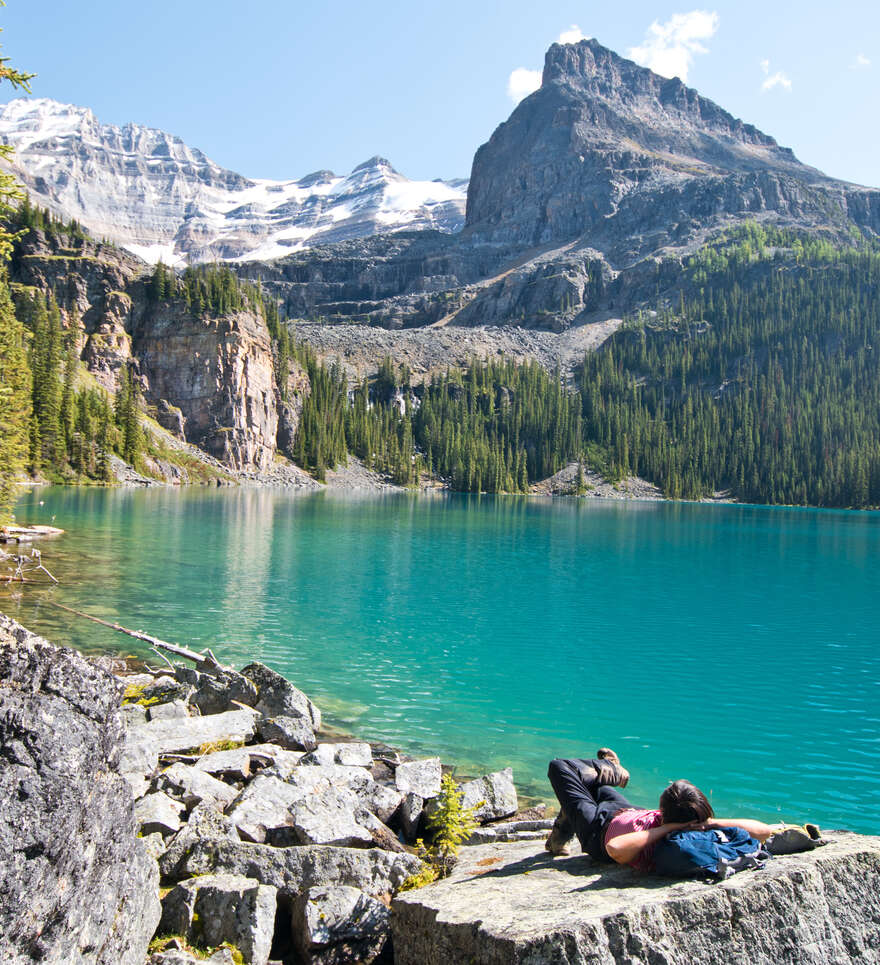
[{"x": 155, "y": 642}]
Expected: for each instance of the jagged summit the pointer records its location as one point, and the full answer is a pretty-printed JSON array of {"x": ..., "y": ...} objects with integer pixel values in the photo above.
[
  {"x": 631, "y": 162},
  {"x": 152, "y": 193},
  {"x": 589, "y": 67}
]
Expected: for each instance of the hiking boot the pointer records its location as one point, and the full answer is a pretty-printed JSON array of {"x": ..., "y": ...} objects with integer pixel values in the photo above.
[
  {"x": 609, "y": 770},
  {"x": 560, "y": 835}
]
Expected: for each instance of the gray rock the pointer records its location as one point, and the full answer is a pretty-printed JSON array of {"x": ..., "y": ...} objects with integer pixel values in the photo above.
[
  {"x": 807, "y": 909},
  {"x": 169, "y": 711},
  {"x": 294, "y": 870},
  {"x": 419, "y": 777},
  {"x": 382, "y": 836},
  {"x": 385, "y": 802},
  {"x": 76, "y": 884},
  {"x": 351, "y": 755},
  {"x": 290, "y": 733},
  {"x": 138, "y": 783},
  {"x": 277, "y": 697},
  {"x": 242, "y": 763},
  {"x": 158, "y": 813},
  {"x": 205, "y": 824},
  {"x": 264, "y": 805},
  {"x": 218, "y": 690},
  {"x": 223, "y": 908},
  {"x": 337, "y": 924},
  {"x": 154, "y": 844},
  {"x": 181, "y": 734},
  {"x": 497, "y": 793},
  {"x": 163, "y": 690},
  {"x": 410, "y": 816},
  {"x": 137, "y": 680},
  {"x": 327, "y": 816},
  {"x": 309, "y": 812},
  {"x": 137, "y": 758},
  {"x": 133, "y": 714},
  {"x": 191, "y": 786}
]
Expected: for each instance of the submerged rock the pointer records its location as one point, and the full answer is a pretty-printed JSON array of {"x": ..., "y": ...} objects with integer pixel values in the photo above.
[{"x": 76, "y": 884}]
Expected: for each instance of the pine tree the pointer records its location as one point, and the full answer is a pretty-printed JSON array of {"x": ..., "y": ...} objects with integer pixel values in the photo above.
[{"x": 15, "y": 402}]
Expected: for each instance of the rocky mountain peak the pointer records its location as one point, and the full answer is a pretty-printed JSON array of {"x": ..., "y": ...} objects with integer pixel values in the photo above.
[
  {"x": 590, "y": 69},
  {"x": 630, "y": 162}
]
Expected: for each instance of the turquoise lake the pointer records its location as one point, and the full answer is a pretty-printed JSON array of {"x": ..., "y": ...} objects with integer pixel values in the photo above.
[{"x": 736, "y": 646}]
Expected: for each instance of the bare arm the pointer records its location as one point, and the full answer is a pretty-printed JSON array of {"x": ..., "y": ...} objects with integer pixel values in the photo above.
[
  {"x": 757, "y": 829},
  {"x": 626, "y": 847}
]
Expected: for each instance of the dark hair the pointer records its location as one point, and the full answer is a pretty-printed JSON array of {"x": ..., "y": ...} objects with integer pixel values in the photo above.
[{"x": 682, "y": 801}]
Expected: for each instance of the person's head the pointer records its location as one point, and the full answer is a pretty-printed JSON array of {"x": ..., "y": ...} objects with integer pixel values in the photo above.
[{"x": 682, "y": 802}]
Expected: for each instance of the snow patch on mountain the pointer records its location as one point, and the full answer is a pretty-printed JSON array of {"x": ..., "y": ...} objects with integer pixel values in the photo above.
[{"x": 159, "y": 198}]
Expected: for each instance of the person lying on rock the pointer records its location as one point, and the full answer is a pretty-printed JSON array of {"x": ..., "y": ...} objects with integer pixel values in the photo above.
[{"x": 609, "y": 828}]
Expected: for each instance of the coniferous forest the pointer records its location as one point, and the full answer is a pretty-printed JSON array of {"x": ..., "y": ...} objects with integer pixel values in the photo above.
[{"x": 763, "y": 381}]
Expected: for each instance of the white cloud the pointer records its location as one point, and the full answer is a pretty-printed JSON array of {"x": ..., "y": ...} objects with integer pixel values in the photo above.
[
  {"x": 573, "y": 35},
  {"x": 860, "y": 62},
  {"x": 522, "y": 82},
  {"x": 779, "y": 79},
  {"x": 669, "y": 48}
]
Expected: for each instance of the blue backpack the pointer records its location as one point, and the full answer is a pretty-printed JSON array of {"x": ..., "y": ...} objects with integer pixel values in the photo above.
[{"x": 717, "y": 853}]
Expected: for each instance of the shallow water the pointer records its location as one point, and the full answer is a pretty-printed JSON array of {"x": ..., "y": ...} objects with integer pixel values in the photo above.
[{"x": 736, "y": 646}]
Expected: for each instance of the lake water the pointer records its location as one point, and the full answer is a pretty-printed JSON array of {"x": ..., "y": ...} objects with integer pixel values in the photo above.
[{"x": 733, "y": 645}]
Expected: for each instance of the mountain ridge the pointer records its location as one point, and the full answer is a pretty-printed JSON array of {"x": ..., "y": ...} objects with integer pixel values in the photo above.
[{"x": 160, "y": 198}]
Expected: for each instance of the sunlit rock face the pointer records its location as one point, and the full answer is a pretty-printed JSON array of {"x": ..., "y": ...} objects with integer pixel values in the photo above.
[
  {"x": 631, "y": 162},
  {"x": 158, "y": 197}
]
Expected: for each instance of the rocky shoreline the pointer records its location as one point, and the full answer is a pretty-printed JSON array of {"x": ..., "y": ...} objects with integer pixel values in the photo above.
[
  {"x": 261, "y": 832},
  {"x": 186, "y": 814}
]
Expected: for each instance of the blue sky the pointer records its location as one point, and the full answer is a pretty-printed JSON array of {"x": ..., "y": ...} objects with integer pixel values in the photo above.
[{"x": 279, "y": 88}]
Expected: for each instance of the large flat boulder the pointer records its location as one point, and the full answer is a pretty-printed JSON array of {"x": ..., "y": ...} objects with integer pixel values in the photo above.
[
  {"x": 186, "y": 733},
  {"x": 76, "y": 884},
  {"x": 513, "y": 904},
  {"x": 294, "y": 870}
]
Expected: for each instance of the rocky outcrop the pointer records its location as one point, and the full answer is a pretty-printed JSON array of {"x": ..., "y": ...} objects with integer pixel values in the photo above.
[
  {"x": 210, "y": 379},
  {"x": 631, "y": 162},
  {"x": 219, "y": 372},
  {"x": 76, "y": 885},
  {"x": 513, "y": 904}
]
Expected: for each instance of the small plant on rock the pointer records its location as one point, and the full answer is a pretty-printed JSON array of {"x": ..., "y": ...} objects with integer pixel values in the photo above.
[{"x": 450, "y": 824}]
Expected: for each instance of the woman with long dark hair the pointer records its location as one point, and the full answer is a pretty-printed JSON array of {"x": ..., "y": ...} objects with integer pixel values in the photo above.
[{"x": 609, "y": 828}]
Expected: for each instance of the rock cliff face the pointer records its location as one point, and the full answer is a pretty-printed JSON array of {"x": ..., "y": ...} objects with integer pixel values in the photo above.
[
  {"x": 220, "y": 373},
  {"x": 210, "y": 379},
  {"x": 76, "y": 884},
  {"x": 160, "y": 198},
  {"x": 630, "y": 162},
  {"x": 513, "y": 904}
]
